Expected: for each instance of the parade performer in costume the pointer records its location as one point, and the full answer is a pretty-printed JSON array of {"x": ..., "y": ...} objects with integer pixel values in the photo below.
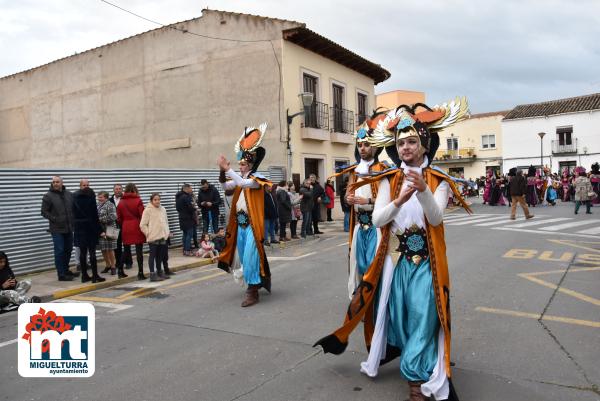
[
  {"x": 595, "y": 179},
  {"x": 410, "y": 297},
  {"x": 364, "y": 236},
  {"x": 488, "y": 186},
  {"x": 566, "y": 185},
  {"x": 246, "y": 227},
  {"x": 531, "y": 197}
]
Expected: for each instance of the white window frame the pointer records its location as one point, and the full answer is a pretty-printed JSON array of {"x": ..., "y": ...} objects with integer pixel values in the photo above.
[
  {"x": 454, "y": 138},
  {"x": 319, "y": 94},
  {"x": 483, "y": 145}
]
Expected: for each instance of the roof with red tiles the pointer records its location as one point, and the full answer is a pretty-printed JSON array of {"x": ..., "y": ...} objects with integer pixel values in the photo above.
[{"x": 554, "y": 107}]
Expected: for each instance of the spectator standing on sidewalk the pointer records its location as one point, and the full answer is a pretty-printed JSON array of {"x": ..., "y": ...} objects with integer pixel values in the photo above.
[
  {"x": 517, "y": 189},
  {"x": 129, "y": 215},
  {"x": 583, "y": 191},
  {"x": 284, "y": 209},
  {"x": 296, "y": 212},
  {"x": 57, "y": 206},
  {"x": 184, "y": 204},
  {"x": 209, "y": 201},
  {"x": 107, "y": 214},
  {"x": 329, "y": 199},
  {"x": 119, "y": 255},
  {"x": 155, "y": 226},
  {"x": 306, "y": 207},
  {"x": 271, "y": 217},
  {"x": 346, "y": 208},
  {"x": 87, "y": 230},
  {"x": 318, "y": 194}
]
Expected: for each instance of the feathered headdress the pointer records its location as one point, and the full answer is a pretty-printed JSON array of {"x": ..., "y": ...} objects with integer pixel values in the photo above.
[
  {"x": 248, "y": 146},
  {"x": 419, "y": 121},
  {"x": 366, "y": 129}
]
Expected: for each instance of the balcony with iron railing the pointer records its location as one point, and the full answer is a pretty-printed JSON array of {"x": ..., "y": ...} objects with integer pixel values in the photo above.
[
  {"x": 561, "y": 147},
  {"x": 342, "y": 125},
  {"x": 455, "y": 155},
  {"x": 316, "y": 122}
]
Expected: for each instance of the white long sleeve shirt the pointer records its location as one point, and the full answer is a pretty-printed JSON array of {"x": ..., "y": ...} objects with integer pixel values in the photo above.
[
  {"x": 420, "y": 205},
  {"x": 237, "y": 180}
]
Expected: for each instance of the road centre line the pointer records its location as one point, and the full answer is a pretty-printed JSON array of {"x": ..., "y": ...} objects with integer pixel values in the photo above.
[
  {"x": 591, "y": 231},
  {"x": 195, "y": 280},
  {"x": 536, "y": 316}
]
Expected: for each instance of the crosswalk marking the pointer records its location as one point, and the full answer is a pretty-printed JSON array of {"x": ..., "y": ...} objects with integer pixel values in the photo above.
[
  {"x": 476, "y": 220},
  {"x": 593, "y": 230},
  {"x": 539, "y": 222},
  {"x": 569, "y": 225}
]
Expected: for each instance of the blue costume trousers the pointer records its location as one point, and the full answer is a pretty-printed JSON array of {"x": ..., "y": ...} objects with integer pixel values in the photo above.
[
  {"x": 413, "y": 320},
  {"x": 366, "y": 246},
  {"x": 248, "y": 254}
]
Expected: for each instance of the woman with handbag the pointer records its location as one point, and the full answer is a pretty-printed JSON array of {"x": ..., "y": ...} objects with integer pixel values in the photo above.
[
  {"x": 129, "y": 215},
  {"x": 296, "y": 212},
  {"x": 107, "y": 214},
  {"x": 155, "y": 226},
  {"x": 583, "y": 191}
]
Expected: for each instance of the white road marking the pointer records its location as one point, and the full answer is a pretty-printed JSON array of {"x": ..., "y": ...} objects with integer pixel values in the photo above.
[
  {"x": 593, "y": 230},
  {"x": 569, "y": 225},
  {"x": 290, "y": 257},
  {"x": 540, "y": 222},
  {"x": 113, "y": 307},
  {"x": 522, "y": 230},
  {"x": 5, "y": 343},
  {"x": 477, "y": 220}
]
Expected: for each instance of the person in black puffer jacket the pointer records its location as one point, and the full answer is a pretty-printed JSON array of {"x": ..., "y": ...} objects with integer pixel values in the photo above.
[{"x": 87, "y": 229}]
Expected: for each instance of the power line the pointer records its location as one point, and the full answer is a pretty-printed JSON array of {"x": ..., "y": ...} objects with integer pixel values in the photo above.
[
  {"x": 217, "y": 38},
  {"x": 171, "y": 26}
]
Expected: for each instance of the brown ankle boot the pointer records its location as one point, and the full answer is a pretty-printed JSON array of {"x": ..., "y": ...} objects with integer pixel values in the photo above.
[
  {"x": 251, "y": 297},
  {"x": 415, "y": 392}
]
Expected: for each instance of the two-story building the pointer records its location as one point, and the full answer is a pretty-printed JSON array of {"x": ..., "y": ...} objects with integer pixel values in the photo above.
[
  {"x": 180, "y": 95},
  {"x": 560, "y": 134},
  {"x": 472, "y": 146}
]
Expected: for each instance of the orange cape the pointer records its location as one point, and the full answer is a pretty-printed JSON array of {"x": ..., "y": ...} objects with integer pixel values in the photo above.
[
  {"x": 255, "y": 201},
  {"x": 362, "y": 301}
]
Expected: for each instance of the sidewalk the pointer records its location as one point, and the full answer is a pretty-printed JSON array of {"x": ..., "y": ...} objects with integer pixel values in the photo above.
[{"x": 46, "y": 285}]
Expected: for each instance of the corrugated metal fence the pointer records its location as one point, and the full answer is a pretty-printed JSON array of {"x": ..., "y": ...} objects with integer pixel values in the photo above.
[{"x": 23, "y": 231}]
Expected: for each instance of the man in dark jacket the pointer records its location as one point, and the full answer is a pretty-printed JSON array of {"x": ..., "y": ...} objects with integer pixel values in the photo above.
[
  {"x": 57, "y": 206},
  {"x": 306, "y": 207},
  {"x": 517, "y": 188},
  {"x": 318, "y": 194},
  {"x": 87, "y": 229},
  {"x": 184, "y": 204},
  {"x": 209, "y": 201},
  {"x": 284, "y": 209},
  {"x": 270, "y": 218}
]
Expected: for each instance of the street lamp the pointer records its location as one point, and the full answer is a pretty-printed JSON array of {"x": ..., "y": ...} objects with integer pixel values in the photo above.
[
  {"x": 307, "y": 100},
  {"x": 541, "y": 135}
]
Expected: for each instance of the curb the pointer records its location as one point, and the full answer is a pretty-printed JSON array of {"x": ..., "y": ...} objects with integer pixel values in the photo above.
[{"x": 113, "y": 283}]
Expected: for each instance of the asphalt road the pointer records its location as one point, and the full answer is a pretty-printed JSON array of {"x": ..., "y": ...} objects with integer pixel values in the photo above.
[{"x": 189, "y": 339}]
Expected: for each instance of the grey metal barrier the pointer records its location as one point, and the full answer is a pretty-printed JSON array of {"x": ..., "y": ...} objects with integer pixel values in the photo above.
[{"x": 23, "y": 231}]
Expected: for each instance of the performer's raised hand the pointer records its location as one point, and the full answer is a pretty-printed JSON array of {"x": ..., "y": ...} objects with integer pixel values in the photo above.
[
  {"x": 416, "y": 181},
  {"x": 405, "y": 193},
  {"x": 223, "y": 163}
]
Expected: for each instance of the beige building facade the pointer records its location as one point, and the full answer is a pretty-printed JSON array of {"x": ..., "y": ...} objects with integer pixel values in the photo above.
[
  {"x": 176, "y": 97},
  {"x": 472, "y": 146}
]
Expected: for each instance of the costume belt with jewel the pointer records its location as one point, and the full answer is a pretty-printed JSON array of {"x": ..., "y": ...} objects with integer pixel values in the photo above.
[
  {"x": 243, "y": 219},
  {"x": 413, "y": 244},
  {"x": 364, "y": 219}
]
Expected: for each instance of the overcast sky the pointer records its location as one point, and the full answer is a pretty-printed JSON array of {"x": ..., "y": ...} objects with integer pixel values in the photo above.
[{"x": 498, "y": 53}]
